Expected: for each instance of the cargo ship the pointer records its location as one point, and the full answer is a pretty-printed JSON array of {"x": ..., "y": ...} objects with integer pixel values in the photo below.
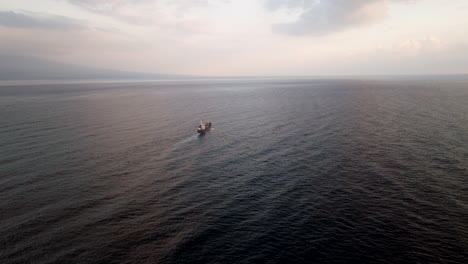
[{"x": 203, "y": 127}]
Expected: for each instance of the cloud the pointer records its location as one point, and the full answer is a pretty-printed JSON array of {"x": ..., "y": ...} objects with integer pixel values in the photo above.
[
  {"x": 38, "y": 20},
  {"x": 142, "y": 12},
  {"x": 134, "y": 11},
  {"x": 423, "y": 55},
  {"x": 276, "y": 4},
  {"x": 323, "y": 17},
  {"x": 415, "y": 47}
]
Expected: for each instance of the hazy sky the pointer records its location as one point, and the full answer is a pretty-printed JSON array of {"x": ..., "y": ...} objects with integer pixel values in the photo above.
[{"x": 243, "y": 37}]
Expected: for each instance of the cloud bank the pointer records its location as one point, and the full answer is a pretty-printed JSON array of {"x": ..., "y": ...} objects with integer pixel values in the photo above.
[
  {"x": 141, "y": 11},
  {"x": 38, "y": 20},
  {"x": 322, "y": 17}
]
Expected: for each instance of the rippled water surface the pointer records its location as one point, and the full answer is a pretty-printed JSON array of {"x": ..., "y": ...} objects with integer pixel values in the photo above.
[{"x": 295, "y": 171}]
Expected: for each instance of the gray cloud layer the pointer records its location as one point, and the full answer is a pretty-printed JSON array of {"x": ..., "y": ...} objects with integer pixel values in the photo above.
[
  {"x": 35, "y": 20},
  {"x": 322, "y": 17}
]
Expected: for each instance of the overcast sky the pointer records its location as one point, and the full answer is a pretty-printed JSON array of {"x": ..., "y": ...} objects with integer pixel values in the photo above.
[{"x": 242, "y": 37}]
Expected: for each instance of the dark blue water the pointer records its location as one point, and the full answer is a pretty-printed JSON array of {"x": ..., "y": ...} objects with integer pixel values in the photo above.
[{"x": 295, "y": 171}]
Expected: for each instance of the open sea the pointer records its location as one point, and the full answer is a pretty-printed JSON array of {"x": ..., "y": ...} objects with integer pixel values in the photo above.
[{"x": 294, "y": 171}]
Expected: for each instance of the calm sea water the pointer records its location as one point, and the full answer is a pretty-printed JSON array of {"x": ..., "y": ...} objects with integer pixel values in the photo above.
[{"x": 295, "y": 171}]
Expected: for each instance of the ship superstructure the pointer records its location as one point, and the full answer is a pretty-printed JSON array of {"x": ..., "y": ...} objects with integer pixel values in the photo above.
[{"x": 203, "y": 127}]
